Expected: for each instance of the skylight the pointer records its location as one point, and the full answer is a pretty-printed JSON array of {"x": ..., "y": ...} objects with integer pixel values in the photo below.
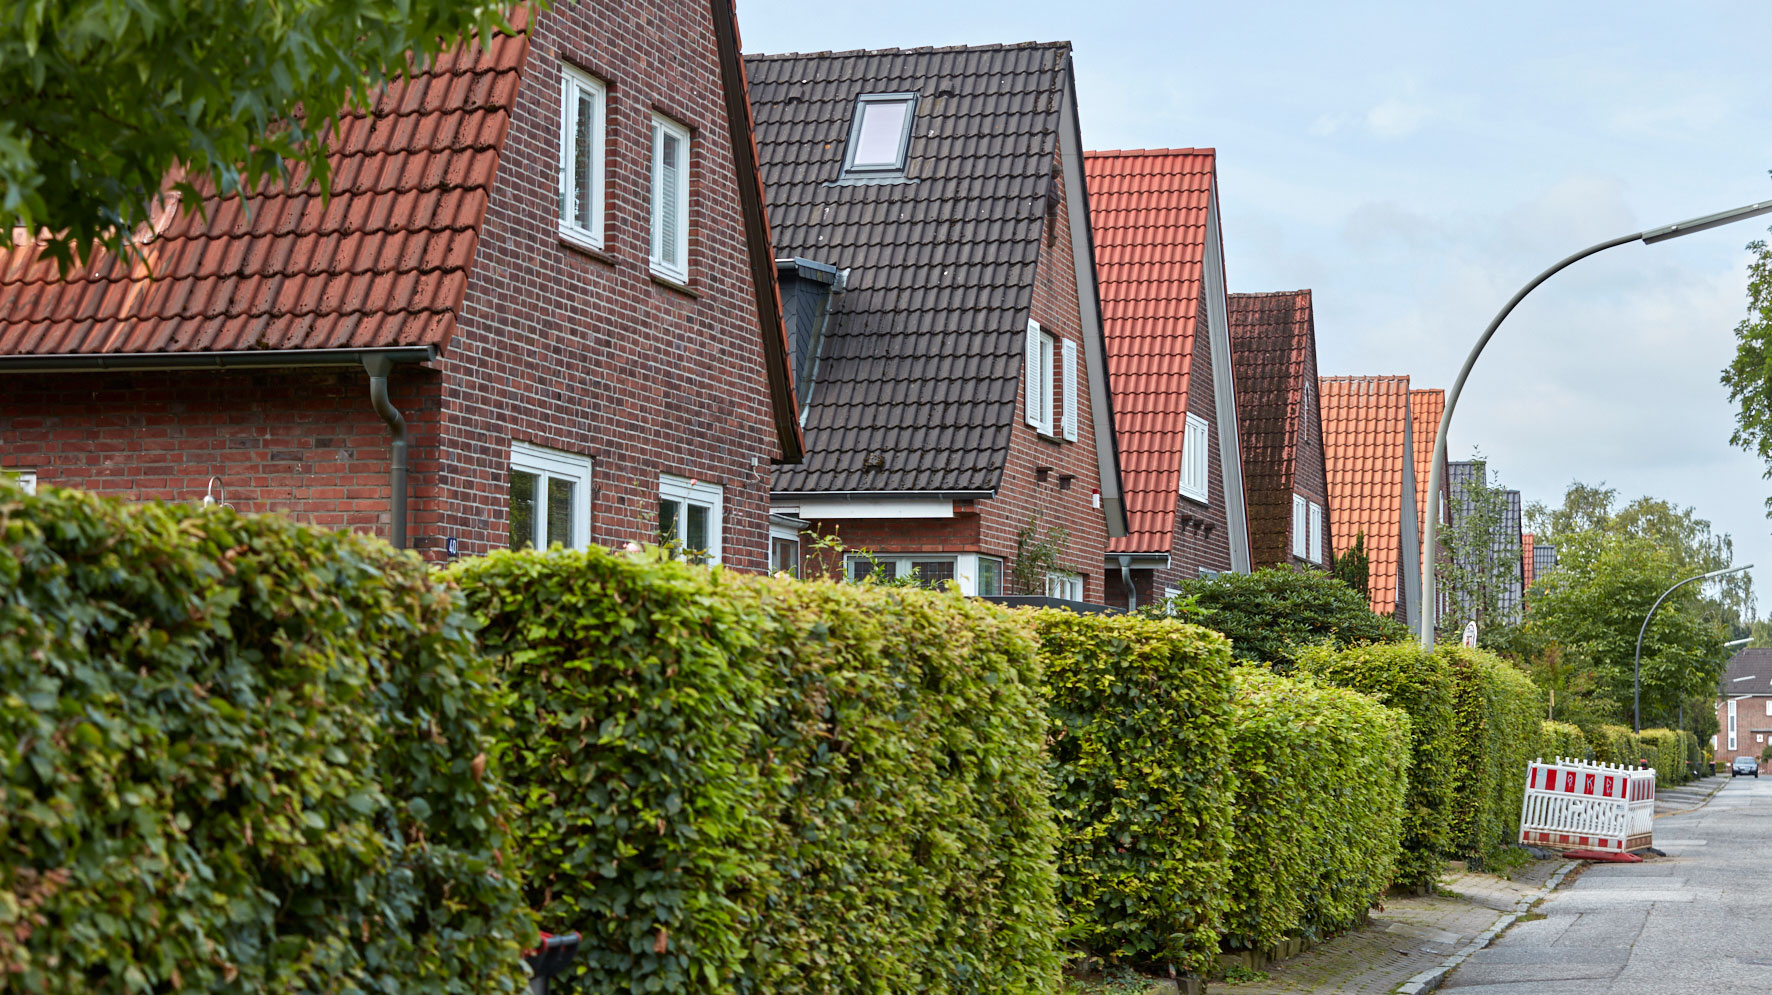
[{"x": 880, "y": 133}]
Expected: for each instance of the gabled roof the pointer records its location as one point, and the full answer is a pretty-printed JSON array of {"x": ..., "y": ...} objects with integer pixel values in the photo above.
[
  {"x": 1272, "y": 338},
  {"x": 1528, "y": 564},
  {"x": 383, "y": 264},
  {"x": 1364, "y": 424},
  {"x": 917, "y": 378},
  {"x": 1426, "y": 406},
  {"x": 1749, "y": 672},
  {"x": 1150, "y": 210}
]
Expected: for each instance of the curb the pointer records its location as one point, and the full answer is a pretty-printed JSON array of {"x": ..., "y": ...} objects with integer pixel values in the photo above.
[
  {"x": 1712, "y": 794},
  {"x": 1432, "y": 978}
]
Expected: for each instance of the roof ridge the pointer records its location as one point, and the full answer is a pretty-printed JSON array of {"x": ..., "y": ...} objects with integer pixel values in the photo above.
[
  {"x": 1272, "y": 293},
  {"x": 918, "y": 50},
  {"x": 1105, "y": 153}
]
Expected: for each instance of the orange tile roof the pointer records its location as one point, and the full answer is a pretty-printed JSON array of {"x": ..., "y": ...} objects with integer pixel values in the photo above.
[
  {"x": 1148, "y": 209},
  {"x": 1425, "y": 406},
  {"x": 383, "y": 263},
  {"x": 1364, "y": 419},
  {"x": 1526, "y": 557}
]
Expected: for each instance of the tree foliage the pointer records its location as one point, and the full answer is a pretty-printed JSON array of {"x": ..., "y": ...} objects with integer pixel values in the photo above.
[
  {"x": 1749, "y": 375},
  {"x": 1354, "y": 567},
  {"x": 1481, "y": 562},
  {"x": 102, "y": 101},
  {"x": 1270, "y": 614}
]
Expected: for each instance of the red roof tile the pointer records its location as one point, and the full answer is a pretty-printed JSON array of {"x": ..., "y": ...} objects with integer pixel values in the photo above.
[
  {"x": 1364, "y": 419},
  {"x": 1425, "y": 407},
  {"x": 1271, "y": 339},
  {"x": 1526, "y": 557},
  {"x": 1149, "y": 210},
  {"x": 383, "y": 264}
]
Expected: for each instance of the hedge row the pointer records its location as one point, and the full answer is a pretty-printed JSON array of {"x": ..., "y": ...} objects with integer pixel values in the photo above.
[
  {"x": 1497, "y": 711},
  {"x": 1560, "y": 739}
]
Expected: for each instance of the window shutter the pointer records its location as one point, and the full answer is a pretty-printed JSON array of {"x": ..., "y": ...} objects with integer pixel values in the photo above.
[
  {"x": 1070, "y": 391},
  {"x": 1316, "y": 545},
  {"x": 1032, "y": 365},
  {"x": 1299, "y": 526}
]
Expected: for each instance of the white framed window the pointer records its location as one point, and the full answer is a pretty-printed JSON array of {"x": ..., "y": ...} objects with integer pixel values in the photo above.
[
  {"x": 691, "y": 517},
  {"x": 1316, "y": 533},
  {"x": 1732, "y": 725},
  {"x": 1040, "y": 372},
  {"x": 927, "y": 570},
  {"x": 670, "y": 199},
  {"x": 1195, "y": 462},
  {"x": 784, "y": 549},
  {"x": 27, "y": 479},
  {"x": 550, "y": 498},
  {"x": 988, "y": 581},
  {"x": 1769, "y": 706},
  {"x": 582, "y": 144},
  {"x": 1064, "y": 585},
  {"x": 1068, "y": 423},
  {"x": 1300, "y": 526},
  {"x": 880, "y": 133},
  {"x": 1207, "y": 573}
]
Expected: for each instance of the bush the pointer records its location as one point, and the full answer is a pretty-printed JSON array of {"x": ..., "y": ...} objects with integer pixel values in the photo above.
[
  {"x": 1498, "y": 710},
  {"x": 1320, "y": 774},
  {"x": 1140, "y": 739},
  {"x": 1614, "y": 744},
  {"x": 1418, "y": 681},
  {"x": 757, "y": 785},
  {"x": 241, "y": 755},
  {"x": 1666, "y": 752},
  {"x": 1560, "y": 739},
  {"x": 1271, "y": 613}
]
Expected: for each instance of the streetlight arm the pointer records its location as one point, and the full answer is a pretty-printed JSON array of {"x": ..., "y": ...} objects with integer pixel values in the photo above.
[{"x": 1636, "y": 689}]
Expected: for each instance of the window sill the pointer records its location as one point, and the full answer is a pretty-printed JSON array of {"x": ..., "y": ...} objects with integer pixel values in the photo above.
[
  {"x": 585, "y": 248},
  {"x": 673, "y": 283},
  {"x": 1196, "y": 499}
]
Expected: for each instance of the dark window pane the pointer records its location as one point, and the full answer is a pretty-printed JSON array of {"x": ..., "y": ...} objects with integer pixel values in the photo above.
[
  {"x": 584, "y": 160},
  {"x": 667, "y": 522},
  {"x": 784, "y": 554},
  {"x": 990, "y": 576},
  {"x": 932, "y": 573},
  {"x": 695, "y": 532},
  {"x": 561, "y": 494},
  {"x": 883, "y": 570},
  {"x": 522, "y": 509}
]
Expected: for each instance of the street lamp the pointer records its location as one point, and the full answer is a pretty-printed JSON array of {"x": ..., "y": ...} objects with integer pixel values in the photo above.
[
  {"x": 1636, "y": 687},
  {"x": 1436, "y": 473}
]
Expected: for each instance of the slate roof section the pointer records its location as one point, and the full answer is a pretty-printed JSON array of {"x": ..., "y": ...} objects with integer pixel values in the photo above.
[
  {"x": 1271, "y": 337},
  {"x": 1364, "y": 425},
  {"x": 916, "y": 384},
  {"x": 383, "y": 264},
  {"x": 1749, "y": 672},
  {"x": 1149, "y": 211}
]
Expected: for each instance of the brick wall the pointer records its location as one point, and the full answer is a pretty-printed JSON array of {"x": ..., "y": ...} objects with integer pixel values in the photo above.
[
  {"x": 1310, "y": 477},
  {"x": 1201, "y": 540},
  {"x": 1751, "y": 721}
]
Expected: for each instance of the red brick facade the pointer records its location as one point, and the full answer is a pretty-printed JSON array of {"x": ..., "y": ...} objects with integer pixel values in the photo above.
[
  {"x": 1753, "y": 728},
  {"x": 1309, "y": 479}
]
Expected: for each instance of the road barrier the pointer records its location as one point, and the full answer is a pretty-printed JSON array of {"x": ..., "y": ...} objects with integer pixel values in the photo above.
[{"x": 1576, "y": 805}]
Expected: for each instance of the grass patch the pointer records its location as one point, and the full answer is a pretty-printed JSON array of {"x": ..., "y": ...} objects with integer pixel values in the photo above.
[
  {"x": 1238, "y": 974},
  {"x": 1110, "y": 981}
]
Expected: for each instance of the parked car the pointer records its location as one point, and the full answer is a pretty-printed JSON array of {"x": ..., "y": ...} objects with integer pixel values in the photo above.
[{"x": 1744, "y": 765}]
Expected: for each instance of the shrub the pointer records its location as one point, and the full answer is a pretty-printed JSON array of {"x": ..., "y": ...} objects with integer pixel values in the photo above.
[
  {"x": 1666, "y": 752},
  {"x": 757, "y": 785},
  {"x": 241, "y": 755},
  {"x": 1560, "y": 739},
  {"x": 1140, "y": 734},
  {"x": 1271, "y": 613},
  {"x": 1614, "y": 744},
  {"x": 1320, "y": 774},
  {"x": 1414, "y": 679},
  {"x": 1498, "y": 710}
]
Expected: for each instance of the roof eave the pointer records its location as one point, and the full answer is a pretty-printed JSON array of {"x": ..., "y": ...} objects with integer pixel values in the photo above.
[{"x": 228, "y": 360}]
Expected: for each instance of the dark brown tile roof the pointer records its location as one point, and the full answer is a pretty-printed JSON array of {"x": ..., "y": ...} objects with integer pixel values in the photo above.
[
  {"x": 384, "y": 263},
  {"x": 920, "y": 366},
  {"x": 1271, "y": 339}
]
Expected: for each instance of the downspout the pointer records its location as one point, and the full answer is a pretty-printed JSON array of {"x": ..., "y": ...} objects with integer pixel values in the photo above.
[
  {"x": 378, "y": 367},
  {"x": 1126, "y": 579}
]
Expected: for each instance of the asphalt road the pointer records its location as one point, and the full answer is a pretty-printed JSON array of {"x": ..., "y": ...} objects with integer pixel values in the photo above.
[{"x": 1696, "y": 921}]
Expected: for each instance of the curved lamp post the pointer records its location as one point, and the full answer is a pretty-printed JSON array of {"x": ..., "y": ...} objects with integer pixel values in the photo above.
[
  {"x": 1436, "y": 474},
  {"x": 1636, "y": 670}
]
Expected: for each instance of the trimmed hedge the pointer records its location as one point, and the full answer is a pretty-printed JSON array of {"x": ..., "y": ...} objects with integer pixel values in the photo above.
[
  {"x": 1560, "y": 739},
  {"x": 1139, "y": 754},
  {"x": 759, "y": 785},
  {"x": 1614, "y": 744},
  {"x": 241, "y": 755},
  {"x": 1270, "y": 614},
  {"x": 1320, "y": 777},
  {"x": 1498, "y": 710},
  {"x": 1419, "y": 682},
  {"x": 1666, "y": 752}
]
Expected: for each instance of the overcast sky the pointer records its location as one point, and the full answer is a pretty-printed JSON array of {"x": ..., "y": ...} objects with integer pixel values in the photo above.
[{"x": 1414, "y": 164}]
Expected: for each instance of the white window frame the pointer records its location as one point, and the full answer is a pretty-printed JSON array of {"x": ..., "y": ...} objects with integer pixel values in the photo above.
[
  {"x": 1068, "y": 422},
  {"x": 1769, "y": 706},
  {"x": 1196, "y": 460},
  {"x": 662, "y": 126},
  {"x": 1316, "y": 533},
  {"x": 545, "y": 463},
  {"x": 1300, "y": 526},
  {"x": 1041, "y": 350},
  {"x": 27, "y": 480},
  {"x": 974, "y": 572},
  {"x": 1732, "y": 708},
  {"x": 573, "y": 82},
  {"x": 1064, "y": 585},
  {"x": 901, "y": 565},
  {"x": 687, "y": 491},
  {"x": 863, "y": 104},
  {"x": 784, "y": 533}
]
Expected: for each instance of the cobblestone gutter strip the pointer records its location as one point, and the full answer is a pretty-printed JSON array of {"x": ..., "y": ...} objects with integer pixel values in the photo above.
[{"x": 1432, "y": 978}]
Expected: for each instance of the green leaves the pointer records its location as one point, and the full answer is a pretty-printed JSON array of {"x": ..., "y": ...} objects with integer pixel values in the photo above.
[
  {"x": 1498, "y": 725},
  {"x": 1270, "y": 614},
  {"x": 1749, "y": 375}
]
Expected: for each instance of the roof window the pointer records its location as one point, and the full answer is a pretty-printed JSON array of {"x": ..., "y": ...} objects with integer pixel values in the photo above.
[{"x": 880, "y": 133}]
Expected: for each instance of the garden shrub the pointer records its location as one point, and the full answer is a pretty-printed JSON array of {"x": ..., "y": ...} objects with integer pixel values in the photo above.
[
  {"x": 1560, "y": 739},
  {"x": 1666, "y": 752},
  {"x": 1497, "y": 715},
  {"x": 1614, "y": 744},
  {"x": 1320, "y": 781},
  {"x": 1139, "y": 753},
  {"x": 1418, "y": 681},
  {"x": 1271, "y": 613},
  {"x": 241, "y": 755},
  {"x": 758, "y": 785}
]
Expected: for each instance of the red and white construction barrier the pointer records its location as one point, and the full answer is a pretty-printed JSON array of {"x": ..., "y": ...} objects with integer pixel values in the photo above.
[{"x": 1575, "y": 805}]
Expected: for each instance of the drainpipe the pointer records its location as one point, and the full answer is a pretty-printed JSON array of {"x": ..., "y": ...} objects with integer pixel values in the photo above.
[
  {"x": 1126, "y": 579},
  {"x": 377, "y": 366}
]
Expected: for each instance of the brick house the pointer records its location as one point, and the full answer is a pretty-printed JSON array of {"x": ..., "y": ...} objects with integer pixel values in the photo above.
[
  {"x": 1274, "y": 349},
  {"x": 540, "y": 306},
  {"x": 1744, "y": 706},
  {"x": 932, "y": 229},
  {"x": 1161, "y": 263},
  {"x": 1369, "y": 458}
]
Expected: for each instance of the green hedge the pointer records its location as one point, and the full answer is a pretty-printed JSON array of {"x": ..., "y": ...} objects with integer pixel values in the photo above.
[
  {"x": 1560, "y": 739},
  {"x": 1666, "y": 752},
  {"x": 241, "y": 755},
  {"x": 1614, "y": 744},
  {"x": 1139, "y": 754},
  {"x": 1270, "y": 614},
  {"x": 758, "y": 785},
  {"x": 1320, "y": 780},
  {"x": 1498, "y": 710},
  {"x": 1418, "y": 681}
]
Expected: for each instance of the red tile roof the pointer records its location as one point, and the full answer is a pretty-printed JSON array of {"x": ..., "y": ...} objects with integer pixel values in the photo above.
[
  {"x": 384, "y": 263},
  {"x": 1526, "y": 558},
  {"x": 1364, "y": 419},
  {"x": 1425, "y": 406},
  {"x": 1270, "y": 348},
  {"x": 1149, "y": 211}
]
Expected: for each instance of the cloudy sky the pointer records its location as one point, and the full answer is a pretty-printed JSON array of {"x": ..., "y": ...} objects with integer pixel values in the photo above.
[{"x": 1414, "y": 164}]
